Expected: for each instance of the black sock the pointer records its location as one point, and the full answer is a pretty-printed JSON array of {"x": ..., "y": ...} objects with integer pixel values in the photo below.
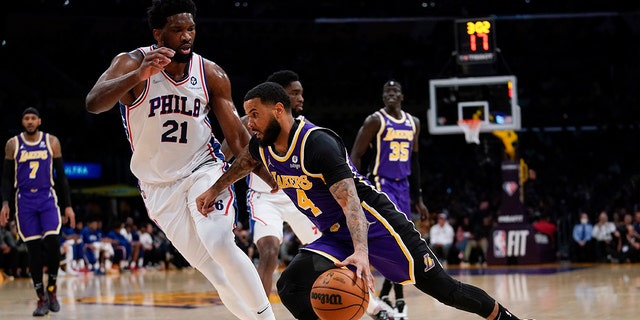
[{"x": 39, "y": 289}]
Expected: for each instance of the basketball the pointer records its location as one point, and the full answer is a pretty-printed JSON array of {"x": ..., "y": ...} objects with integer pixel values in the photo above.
[{"x": 338, "y": 294}]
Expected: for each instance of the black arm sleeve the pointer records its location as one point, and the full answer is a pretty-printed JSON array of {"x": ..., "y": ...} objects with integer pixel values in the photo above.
[
  {"x": 8, "y": 172},
  {"x": 415, "y": 190},
  {"x": 64, "y": 198},
  {"x": 325, "y": 154}
]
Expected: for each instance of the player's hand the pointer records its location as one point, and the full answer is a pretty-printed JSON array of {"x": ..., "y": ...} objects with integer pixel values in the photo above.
[
  {"x": 361, "y": 262},
  {"x": 421, "y": 208},
  {"x": 4, "y": 215},
  {"x": 71, "y": 215},
  {"x": 206, "y": 201},
  {"x": 155, "y": 61}
]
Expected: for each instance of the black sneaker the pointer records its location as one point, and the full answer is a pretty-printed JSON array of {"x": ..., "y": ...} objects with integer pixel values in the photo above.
[
  {"x": 382, "y": 315},
  {"x": 54, "y": 305},
  {"x": 401, "y": 309},
  {"x": 43, "y": 306}
]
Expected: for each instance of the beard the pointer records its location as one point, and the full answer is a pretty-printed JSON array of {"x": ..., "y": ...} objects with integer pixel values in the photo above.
[
  {"x": 182, "y": 58},
  {"x": 270, "y": 133},
  {"x": 30, "y": 131}
]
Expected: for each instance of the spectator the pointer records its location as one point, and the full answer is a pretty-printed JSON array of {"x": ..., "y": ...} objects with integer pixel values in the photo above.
[
  {"x": 441, "y": 236},
  {"x": 627, "y": 244},
  {"x": 146, "y": 244},
  {"x": 122, "y": 248},
  {"x": 130, "y": 232},
  {"x": 8, "y": 253},
  {"x": 14, "y": 258},
  {"x": 154, "y": 247},
  {"x": 97, "y": 252},
  {"x": 603, "y": 234},
  {"x": 544, "y": 225},
  {"x": 69, "y": 241},
  {"x": 480, "y": 241},
  {"x": 582, "y": 239},
  {"x": 633, "y": 238},
  {"x": 463, "y": 235}
]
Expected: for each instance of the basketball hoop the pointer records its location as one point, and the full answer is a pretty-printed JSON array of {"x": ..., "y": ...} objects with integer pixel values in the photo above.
[{"x": 471, "y": 128}]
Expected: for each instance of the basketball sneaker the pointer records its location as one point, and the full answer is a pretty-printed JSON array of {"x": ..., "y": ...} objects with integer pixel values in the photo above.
[
  {"x": 385, "y": 312},
  {"x": 43, "y": 306},
  {"x": 400, "y": 310},
  {"x": 382, "y": 315},
  {"x": 54, "y": 305},
  {"x": 387, "y": 302}
]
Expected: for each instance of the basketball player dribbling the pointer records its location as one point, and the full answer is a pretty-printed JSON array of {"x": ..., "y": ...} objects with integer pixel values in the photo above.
[
  {"x": 165, "y": 92},
  {"x": 269, "y": 210},
  {"x": 312, "y": 167}
]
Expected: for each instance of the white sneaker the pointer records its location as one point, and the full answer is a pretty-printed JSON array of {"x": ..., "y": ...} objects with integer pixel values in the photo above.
[
  {"x": 383, "y": 311},
  {"x": 61, "y": 273},
  {"x": 71, "y": 272},
  {"x": 385, "y": 303}
]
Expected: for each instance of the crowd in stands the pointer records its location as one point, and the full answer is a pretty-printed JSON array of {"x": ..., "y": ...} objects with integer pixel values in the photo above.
[{"x": 91, "y": 248}]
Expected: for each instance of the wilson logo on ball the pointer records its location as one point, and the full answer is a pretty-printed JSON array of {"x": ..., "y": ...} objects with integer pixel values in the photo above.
[{"x": 325, "y": 298}]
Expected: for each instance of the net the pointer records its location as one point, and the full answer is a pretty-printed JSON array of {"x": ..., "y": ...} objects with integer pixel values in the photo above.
[{"x": 471, "y": 128}]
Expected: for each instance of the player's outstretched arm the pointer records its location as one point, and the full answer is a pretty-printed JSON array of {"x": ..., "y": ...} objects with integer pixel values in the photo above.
[{"x": 240, "y": 168}]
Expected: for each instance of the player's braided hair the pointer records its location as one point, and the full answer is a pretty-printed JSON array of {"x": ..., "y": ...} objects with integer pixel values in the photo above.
[{"x": 160, "y": 10}]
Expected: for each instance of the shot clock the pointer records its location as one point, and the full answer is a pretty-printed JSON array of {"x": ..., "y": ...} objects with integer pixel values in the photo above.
[{"x": 475, "y": 41}]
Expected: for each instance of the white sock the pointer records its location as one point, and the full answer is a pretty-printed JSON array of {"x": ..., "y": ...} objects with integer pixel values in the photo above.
[{"x": 373, "y": 307}]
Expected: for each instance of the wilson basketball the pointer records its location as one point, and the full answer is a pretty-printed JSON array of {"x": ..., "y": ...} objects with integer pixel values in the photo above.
[{"x": 338, "y": 294}]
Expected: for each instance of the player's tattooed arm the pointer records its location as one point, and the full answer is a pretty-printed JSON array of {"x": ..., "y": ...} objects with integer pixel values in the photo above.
[
  {"x": 240, "y": 168},
  {"x": 344, "y": 191}
]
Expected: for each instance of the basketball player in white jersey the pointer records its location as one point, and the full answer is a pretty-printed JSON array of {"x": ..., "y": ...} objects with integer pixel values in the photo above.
[{"x": 165, "y": 92}]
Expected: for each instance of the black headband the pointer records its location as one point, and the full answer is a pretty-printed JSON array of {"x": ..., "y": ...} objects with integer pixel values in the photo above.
[{"x": 31, "y": 110}]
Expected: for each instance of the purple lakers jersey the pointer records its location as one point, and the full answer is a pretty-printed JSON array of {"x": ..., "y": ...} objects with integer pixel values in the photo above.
[
  {"x": 34, "y": 163},
  {"x": 307, "y": 190},
  {"x": 394, "y": 144}
]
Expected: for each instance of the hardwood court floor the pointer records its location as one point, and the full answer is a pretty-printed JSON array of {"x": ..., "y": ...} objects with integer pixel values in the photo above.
[{"x": 544, "y": 292}]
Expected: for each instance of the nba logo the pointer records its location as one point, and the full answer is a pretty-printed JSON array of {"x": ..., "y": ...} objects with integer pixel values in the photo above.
[{"x": 499, "y": 243}]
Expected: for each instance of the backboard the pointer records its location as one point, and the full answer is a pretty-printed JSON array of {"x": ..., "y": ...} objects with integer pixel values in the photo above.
[{"x": 493, "y": 100}]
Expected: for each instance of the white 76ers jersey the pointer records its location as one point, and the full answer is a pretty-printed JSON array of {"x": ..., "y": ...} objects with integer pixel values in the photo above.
[{"x": 168, "y": 127}]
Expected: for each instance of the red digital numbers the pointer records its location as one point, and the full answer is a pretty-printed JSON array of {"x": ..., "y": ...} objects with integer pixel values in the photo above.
[
  {"x": 478, "y": 32},
  {"x": 475, "y": 41}
]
